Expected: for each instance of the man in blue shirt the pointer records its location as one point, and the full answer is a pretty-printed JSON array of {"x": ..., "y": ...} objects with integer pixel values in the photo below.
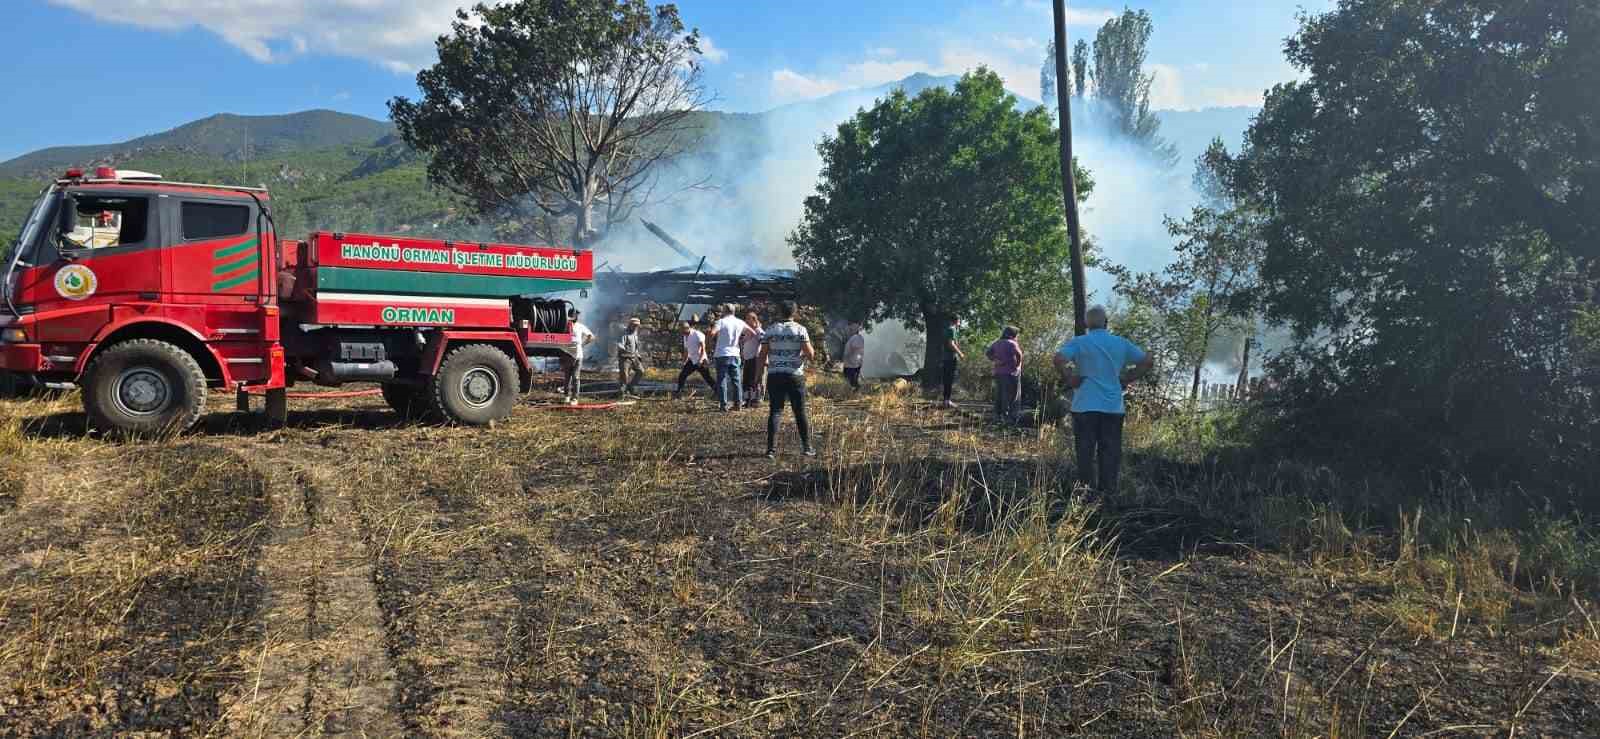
[{"x": 1096, "y": 366}]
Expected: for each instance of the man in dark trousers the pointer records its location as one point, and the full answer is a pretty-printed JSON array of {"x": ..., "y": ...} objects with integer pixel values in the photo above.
[
  {"x": 1096, "y": 366},
  {"x": 694, "y": 357},
  {"x": 952, "y": 361},
  {"x": 785, "y": 349}
]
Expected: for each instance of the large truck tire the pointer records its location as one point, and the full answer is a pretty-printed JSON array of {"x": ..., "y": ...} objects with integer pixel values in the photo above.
[
  {"x": 144, "y": 387},
  {"x": 475, "y": 384},
  {"x": 410, "y": 401}
]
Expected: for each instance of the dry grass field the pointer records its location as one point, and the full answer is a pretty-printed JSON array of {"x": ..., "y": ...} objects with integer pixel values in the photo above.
[{"x": 644, "y": 571}]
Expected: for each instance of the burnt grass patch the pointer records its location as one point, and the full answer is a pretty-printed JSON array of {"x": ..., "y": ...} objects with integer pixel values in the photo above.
[
  {"x": 982, "y": 492},
  {"x": 142, "y": 628}
]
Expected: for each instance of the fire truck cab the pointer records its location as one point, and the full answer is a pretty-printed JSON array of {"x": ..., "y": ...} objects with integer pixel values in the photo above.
[{"x": 148, "y": 294}]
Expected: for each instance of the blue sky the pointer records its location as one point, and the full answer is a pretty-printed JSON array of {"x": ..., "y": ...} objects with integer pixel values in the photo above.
[{"x": 97, "y": 71}]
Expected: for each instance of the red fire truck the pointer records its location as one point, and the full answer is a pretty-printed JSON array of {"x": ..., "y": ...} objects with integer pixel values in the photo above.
[{"x": 148, "y": 294}]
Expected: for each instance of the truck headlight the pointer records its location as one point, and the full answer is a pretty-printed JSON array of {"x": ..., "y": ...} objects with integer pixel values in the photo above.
[{"x": 13, "y": 335}]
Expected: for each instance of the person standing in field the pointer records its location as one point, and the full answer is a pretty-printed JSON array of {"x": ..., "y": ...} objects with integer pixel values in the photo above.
[
  {"x": 573, "y": 365},
  {"x": 785, "y": 349},
  {"x": 1006, "y": 354},
  {"x": 952, "y": 361},
  {"x": 855, "y": 353},
  {"x": 1096, "y": 365},
  {"x": 694, "y": 357},
  {"x": 750, "y": 359},
  {"x": 728, "y": 331},
  {"x": 630, "y": 362}
]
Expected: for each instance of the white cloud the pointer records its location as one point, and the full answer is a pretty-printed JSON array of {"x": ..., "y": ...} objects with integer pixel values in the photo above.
[
  {"x": 1169, "y": 91},
  {"x": 710, "y": 52},
  {"x": 789, "y": 85},
  {"x": 882, "y": 51},
  {"x": 1088, "y": 17},
  {"x": 396, "y": 34}
]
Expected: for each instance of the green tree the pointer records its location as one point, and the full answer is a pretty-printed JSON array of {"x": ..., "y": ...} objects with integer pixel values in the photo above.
[
  {"x": 1121, "y": 84},
  {"x": 1431, "y": 203},
  {"x": 1080, "y": 68},
  {"x": 547, "y": 111},
  {"x": 1205, "y": 293},
  {"x": 1047, "y": 76},
  {"x": 945, "y": 204}
]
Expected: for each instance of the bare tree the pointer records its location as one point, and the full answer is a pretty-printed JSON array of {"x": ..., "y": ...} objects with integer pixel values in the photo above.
[{"x": 556, "y": 113}]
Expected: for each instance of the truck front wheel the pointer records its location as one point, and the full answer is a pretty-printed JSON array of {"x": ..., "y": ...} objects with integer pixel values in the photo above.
[
  {"x": 475, "y": 384},
  {"x": 144, "y": 386}
]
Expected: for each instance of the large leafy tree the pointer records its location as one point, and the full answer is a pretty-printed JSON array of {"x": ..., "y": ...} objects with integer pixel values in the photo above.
[
  {"x": 1431, "y": 203},
  {"x": 944, "y": 204},
  {"x": 554, "y": 113}
]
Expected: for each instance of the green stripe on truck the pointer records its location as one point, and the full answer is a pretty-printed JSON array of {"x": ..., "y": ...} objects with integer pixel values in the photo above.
[
  {"x": 250, "y": 276},
  {"x": 344, "y": 279},
  {"x": 239, "y": 248}
]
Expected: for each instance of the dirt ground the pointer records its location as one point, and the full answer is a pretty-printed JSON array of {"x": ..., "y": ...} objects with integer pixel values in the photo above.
[{"x": 644, "y": 571}]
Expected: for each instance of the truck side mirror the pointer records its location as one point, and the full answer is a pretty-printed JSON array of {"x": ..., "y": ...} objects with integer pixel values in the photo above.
[{"x": 67, "y": 216}]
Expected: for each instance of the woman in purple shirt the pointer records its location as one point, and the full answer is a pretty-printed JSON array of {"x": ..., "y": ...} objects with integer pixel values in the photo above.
[{"x": 1006, "y": 354}]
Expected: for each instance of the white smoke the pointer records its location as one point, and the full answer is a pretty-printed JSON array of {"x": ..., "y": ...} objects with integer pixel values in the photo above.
[{"x": 740, "y": 195}]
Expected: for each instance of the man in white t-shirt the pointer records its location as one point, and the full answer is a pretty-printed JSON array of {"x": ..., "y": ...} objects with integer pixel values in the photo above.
[
  {"x": 855, "y": 353},
  {"x": 694, "y": 357},
  {"x": 572, "y": 366},
  {"x": 728, "y": 331},
  {"x": 786, "y": 347}
]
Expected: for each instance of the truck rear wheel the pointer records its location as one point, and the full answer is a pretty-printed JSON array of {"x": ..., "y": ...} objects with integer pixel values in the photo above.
[
  {"x": 410, "y": 401},
  {"x": 475, "y": 384},
  {"x": 144, "y": 386}
]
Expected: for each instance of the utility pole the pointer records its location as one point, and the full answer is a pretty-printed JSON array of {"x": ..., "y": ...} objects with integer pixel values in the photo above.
[{"x": 1069, "y": 184}]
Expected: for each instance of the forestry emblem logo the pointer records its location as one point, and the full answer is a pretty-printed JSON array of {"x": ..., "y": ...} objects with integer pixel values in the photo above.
[{"x": 76, "y": 282}]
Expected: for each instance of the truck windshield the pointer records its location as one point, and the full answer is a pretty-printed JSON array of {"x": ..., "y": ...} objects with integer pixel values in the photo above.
[{"x": 33, "y": 226}]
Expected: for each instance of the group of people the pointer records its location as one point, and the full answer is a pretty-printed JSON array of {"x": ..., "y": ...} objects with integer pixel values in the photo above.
[{"x": 752, "y": 360}]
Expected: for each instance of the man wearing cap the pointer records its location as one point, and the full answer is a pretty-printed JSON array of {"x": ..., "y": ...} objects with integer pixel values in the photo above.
[
  {"x": 1096, "y": 365},
  {"x": 630, "y": 363}
]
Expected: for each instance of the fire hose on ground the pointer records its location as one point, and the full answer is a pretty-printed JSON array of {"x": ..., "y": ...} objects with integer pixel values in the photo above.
[{"x": 339, "y": 394}]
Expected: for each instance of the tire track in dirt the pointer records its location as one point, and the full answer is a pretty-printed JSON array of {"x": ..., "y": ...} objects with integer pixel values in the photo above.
[
  {"x": 318, "y": 669},
  {"x": 442, "y": 587}
]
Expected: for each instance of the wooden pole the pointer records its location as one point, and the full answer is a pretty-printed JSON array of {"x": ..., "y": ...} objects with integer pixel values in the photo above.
[
  {"x": 683, "y": 305},
  {"x": 1069, "y": 184},
  {"x": 1244, "y": 370}
]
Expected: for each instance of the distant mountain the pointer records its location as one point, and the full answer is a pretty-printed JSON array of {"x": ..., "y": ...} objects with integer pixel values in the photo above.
[{"x": 225, "y": 136}]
